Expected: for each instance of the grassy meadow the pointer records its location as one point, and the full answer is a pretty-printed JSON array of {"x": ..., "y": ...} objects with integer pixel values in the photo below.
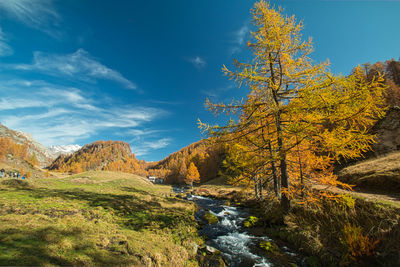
[{"x": 94, "y": 218}]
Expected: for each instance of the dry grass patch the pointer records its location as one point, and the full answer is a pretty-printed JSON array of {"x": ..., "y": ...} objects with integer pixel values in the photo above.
[{"x": 375, "y": 174}]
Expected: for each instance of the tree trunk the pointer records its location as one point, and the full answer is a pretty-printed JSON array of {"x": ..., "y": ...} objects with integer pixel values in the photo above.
[
  {"x": 301, "y": 169},
  {"x": 256, "y": 187},
  {"x": 285, "y": 201},
  {"x": 277, "y": 188}
]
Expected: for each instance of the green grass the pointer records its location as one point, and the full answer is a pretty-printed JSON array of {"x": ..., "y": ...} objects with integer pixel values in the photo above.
[{"x": 94, "y": 218}]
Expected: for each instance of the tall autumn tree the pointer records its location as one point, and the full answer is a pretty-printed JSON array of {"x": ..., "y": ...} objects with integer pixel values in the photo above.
[
  {"x": 192, "y": 174},
  {"x": 292, "y": 104}
]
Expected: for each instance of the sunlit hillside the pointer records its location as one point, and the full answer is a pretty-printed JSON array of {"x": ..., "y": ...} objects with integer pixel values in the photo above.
[{"x": 94, "y": 218}]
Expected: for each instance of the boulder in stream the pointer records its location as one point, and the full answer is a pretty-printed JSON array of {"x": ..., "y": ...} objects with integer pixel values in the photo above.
[
  {"x": 210, "y": 218},
  {"x": 209, "y": 256}
]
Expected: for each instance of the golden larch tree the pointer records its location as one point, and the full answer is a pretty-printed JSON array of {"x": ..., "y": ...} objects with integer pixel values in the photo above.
[
  {"x": 192, "y": 175},
  {"x": 294, "y": 104}
]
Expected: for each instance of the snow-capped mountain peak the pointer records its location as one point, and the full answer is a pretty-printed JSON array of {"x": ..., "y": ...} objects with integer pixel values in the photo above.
[{"x": 64, "y": 149}]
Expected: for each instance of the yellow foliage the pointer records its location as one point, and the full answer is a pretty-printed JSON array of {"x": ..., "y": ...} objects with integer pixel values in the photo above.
[{"x": 297, "y": 118}]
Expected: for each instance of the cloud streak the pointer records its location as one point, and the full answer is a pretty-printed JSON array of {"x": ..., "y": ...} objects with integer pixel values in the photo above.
[
  {"x": 37, "y": 14},
  {"x": 5, "y": 48},
  {"x": 239, "y": 37},
  {"x": 57, "y": 115},
  {"x": 218, "y": 91},
  {"x": 78, "y": 65},
  {"x": 143, "y": 148},
  {"x": 198, "y": 62}
]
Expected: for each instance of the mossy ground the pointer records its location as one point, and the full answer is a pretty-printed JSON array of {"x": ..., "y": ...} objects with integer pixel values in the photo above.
[{"x": 94, "y": 218}]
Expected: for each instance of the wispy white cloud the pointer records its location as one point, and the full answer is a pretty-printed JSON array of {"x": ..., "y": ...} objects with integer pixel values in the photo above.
[
  {"x": 57, "y": 115},
  {"x": 42, "y": 95},
  {"x": 143, "y": 148},
  {"x": 198, "y": 62},
  {"x": 161, "y": 143},
  {"x": 5, "y": 48},
  {"x": 7, "y": 103},
  {"x": 239, "y": 38},
  {"x": 209, "y": 93},
  {"x": 241, "y": 34},
  {"x": 138, "y": 133},
  {"x": 78, "y": 65},
  {"x": 216, "y": 92},
  {"x": 38, "y": 14}
]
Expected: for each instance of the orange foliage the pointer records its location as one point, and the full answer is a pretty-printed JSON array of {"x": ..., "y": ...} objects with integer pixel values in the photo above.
[
  {"x": 192, "y": 174},
  {"x": 206, "y": 156},
  {"x": 356, "y": 244},
  {"x": 8, "y": 147},
  {"x": 390, "y": 70}
]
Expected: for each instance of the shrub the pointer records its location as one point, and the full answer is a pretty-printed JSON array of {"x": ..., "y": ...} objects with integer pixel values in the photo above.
[
  {"x": 356, "y": 245},
  {"x": 268, "y": 246},
  {"x": 251, "y": 221}
]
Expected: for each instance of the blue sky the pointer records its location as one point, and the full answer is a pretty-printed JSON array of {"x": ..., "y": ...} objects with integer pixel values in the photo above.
[{"x": 77, "y": 71}]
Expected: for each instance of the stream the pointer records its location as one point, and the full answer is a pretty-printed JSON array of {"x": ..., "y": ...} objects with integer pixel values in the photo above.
[{"x": 238, "y": 247}]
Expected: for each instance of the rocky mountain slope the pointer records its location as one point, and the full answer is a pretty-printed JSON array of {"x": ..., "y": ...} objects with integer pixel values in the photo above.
[{"x": 43, "y": 155}]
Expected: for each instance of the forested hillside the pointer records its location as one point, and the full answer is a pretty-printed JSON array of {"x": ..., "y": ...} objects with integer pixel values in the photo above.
[
  {"x": 206, "y": 156},
  {"x": 100, "y": 155},
  {"x": 390, "y": 71}
]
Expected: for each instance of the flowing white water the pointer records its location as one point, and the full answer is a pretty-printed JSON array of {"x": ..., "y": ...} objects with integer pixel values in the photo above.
[
  {"x": 237, "y": 246},
  {"x": 227, "y": 235}
]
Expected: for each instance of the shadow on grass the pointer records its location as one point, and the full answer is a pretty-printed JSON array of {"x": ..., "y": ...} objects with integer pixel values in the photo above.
[
  {"x": 14, "y": 183},
  {"x": 29, "y": 247},
  {"x": 134, "y": 212}
]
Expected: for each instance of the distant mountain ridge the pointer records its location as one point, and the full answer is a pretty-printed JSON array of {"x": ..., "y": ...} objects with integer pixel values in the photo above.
[{"x": 63, "y": 149}]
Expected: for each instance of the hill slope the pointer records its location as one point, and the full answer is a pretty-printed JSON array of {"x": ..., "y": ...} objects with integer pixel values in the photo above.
[
  {"x": 100, "y": 155},
  {"x": 94, "y": 219},
  {"x": 382, "y": 174}
]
